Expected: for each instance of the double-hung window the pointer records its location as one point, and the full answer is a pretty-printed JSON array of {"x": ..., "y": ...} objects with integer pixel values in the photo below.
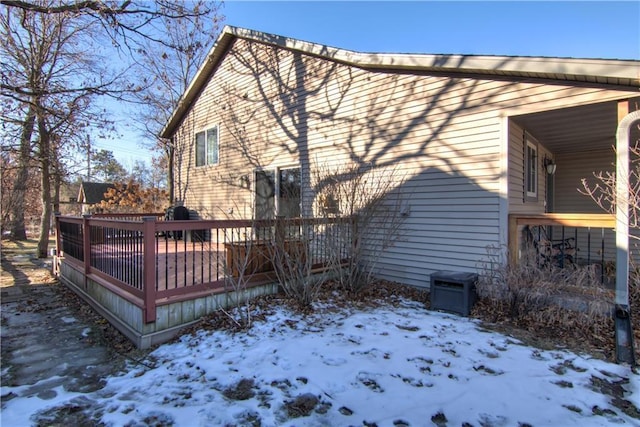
[{"x": 207, "y": 147}]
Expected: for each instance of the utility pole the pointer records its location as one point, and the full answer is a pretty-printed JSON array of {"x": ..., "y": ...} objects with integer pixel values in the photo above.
[{"x": 88, "y": 158}]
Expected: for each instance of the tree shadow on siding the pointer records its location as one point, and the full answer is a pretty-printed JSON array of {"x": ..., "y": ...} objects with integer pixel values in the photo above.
[
  {"x": 293, "y": 106},
  {"x": 278, "y": 106},
  {"x": 449, "y": 221}
]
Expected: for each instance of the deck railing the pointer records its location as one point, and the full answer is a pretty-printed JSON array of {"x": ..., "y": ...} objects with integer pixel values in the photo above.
[
  {"x": 129, "y": 216},
  {"x": 150, "y": 261},
  {"x": 581, "y": 239}
]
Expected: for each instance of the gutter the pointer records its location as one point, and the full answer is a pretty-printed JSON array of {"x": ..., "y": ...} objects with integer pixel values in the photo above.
[{"x": 625, "y": 350}]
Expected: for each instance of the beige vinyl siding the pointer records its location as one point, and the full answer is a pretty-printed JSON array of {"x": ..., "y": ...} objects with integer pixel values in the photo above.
[
  {"x": 572, "y": 168},
  {"x": 518, "y": 202},
  {"x": 443, "y": 135}
]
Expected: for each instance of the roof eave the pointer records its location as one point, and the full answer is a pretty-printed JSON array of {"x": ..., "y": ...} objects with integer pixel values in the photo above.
[
  {"x": 198, "y": 82},
  {"x": 623, "y": 73}
]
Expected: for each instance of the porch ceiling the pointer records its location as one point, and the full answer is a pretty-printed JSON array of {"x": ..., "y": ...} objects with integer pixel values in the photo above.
[{"x": 585, "y": 127}]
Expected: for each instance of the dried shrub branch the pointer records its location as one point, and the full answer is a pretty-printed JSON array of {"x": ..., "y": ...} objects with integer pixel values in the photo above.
[
  {"x": 293, "y": 261},
  {"x": 375, "y": 200},
  {"x": 569, "y": 301}
]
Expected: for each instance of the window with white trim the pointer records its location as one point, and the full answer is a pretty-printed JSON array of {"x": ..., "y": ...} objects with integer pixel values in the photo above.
[
  {"x": 207, "y": 147},
  {"x": 531, "y": 170}
]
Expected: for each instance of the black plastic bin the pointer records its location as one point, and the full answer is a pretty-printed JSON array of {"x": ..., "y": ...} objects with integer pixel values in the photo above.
[
  {"x": 176, "y": 213},
  {"x": 453, "y": 291}
]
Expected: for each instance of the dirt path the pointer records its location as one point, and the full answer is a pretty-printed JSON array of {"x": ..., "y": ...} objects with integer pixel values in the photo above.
[{"x": 49, "y": 337}]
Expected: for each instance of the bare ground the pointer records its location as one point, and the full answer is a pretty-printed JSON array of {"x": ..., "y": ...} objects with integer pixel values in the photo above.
[{"x": 21, "y": 272}]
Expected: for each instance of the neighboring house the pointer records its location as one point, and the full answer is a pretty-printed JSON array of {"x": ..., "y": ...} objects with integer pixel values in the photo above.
[
  {"x": 92, "y": 193},
  {"x": 473, "y": 136}
]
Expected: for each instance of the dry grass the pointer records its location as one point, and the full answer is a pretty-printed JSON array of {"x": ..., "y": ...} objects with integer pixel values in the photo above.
[
  {"x": 20, "y": 265},
  {"x": 569, "y": 304}
]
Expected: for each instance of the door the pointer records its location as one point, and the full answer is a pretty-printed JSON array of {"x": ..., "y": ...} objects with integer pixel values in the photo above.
[
  {"x": 289, "y": 187},
  {"x": 265, "y": 207},
  {"x": 278, "y": 192}
]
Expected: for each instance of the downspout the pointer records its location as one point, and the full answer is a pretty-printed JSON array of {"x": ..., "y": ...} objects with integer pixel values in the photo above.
[{"x": 624, "y": 333}]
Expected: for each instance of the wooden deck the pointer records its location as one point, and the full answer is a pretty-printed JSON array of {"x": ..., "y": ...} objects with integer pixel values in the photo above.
[
  {"x": 150, "y": 278},
  {"x": 180, "y": 265}
]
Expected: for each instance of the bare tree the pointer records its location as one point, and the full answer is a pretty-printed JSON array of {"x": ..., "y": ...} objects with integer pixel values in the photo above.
[
  {"x": 28, "y": 192},
  {"x": 17, "y": 201},
  {"x": 50, "y": 73},
  {"x": 127, "y": 22},
  {"x": 291, "y": 253},
  {"x": 242, "y": 262},
  {"x": 603, "y": 193},
  {"x": 167, "y": 70},
  {"x": 603, "y": 190},
  {"x": 39, "y": 56}
]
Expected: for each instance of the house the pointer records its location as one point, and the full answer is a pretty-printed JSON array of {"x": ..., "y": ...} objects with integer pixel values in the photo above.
[
  {"x": 480, "y": 146},
  {"x": 479, "y": 139},
  {"x": 92, "y": 193}
]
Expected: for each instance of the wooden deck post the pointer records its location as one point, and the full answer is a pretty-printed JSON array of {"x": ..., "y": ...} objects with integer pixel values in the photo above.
[
  {"x": 86, "y": 247},
  {"x": 54, "y": 263},
  {"x": 149, "y": 268}
]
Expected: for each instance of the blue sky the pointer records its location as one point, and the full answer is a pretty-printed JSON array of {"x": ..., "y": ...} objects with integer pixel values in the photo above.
[
  {"x": 541, "y": 28},
  {"x": 593, "y": 29}
]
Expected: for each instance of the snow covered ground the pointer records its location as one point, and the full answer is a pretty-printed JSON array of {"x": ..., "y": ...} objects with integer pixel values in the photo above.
[{"x": 386, "y": 366}]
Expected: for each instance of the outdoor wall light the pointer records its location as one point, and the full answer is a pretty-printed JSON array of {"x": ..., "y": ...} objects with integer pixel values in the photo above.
[
  {"x": 244, "y": 181},
  {"x": 549, "y": 165}
]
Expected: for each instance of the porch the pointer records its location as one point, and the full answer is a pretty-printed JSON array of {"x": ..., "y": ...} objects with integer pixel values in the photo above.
[
  {"x": 150, "y": 277},
  {"x": 557, "y": 160},
  {"x": 553, "y": 156},
  {"x": 566, "y": 241}
]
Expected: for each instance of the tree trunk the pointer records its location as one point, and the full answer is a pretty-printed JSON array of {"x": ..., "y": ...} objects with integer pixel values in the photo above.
[
  {"x": 44, "y": 158},
  {"x": 57, "y": 177},
  {"x": 18, "y": 229},
  {"x": 57, "y": 183}
]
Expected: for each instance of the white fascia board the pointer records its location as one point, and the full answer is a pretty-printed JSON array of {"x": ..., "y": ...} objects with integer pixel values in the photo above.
[{"x": 621, "y": 72}]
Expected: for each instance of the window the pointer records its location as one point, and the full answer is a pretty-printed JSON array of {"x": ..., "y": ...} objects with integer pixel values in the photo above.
[
  {"x": 531, "y": 169},
  {"x": 278, "y": 192},
  {"x": 207, "y": 147}
]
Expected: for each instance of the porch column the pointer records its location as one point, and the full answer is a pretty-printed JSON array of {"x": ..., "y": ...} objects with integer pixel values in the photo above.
[{"x": 622, "y": 207}]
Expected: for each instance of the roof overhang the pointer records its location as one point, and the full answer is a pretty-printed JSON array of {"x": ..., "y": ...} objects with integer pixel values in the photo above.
[{"x": 621, "y": 74}]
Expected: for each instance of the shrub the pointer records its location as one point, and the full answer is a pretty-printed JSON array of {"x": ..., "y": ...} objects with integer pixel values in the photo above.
[
  {"x": 570, "y": 301},
  {"x": 374, "y": 199}
]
